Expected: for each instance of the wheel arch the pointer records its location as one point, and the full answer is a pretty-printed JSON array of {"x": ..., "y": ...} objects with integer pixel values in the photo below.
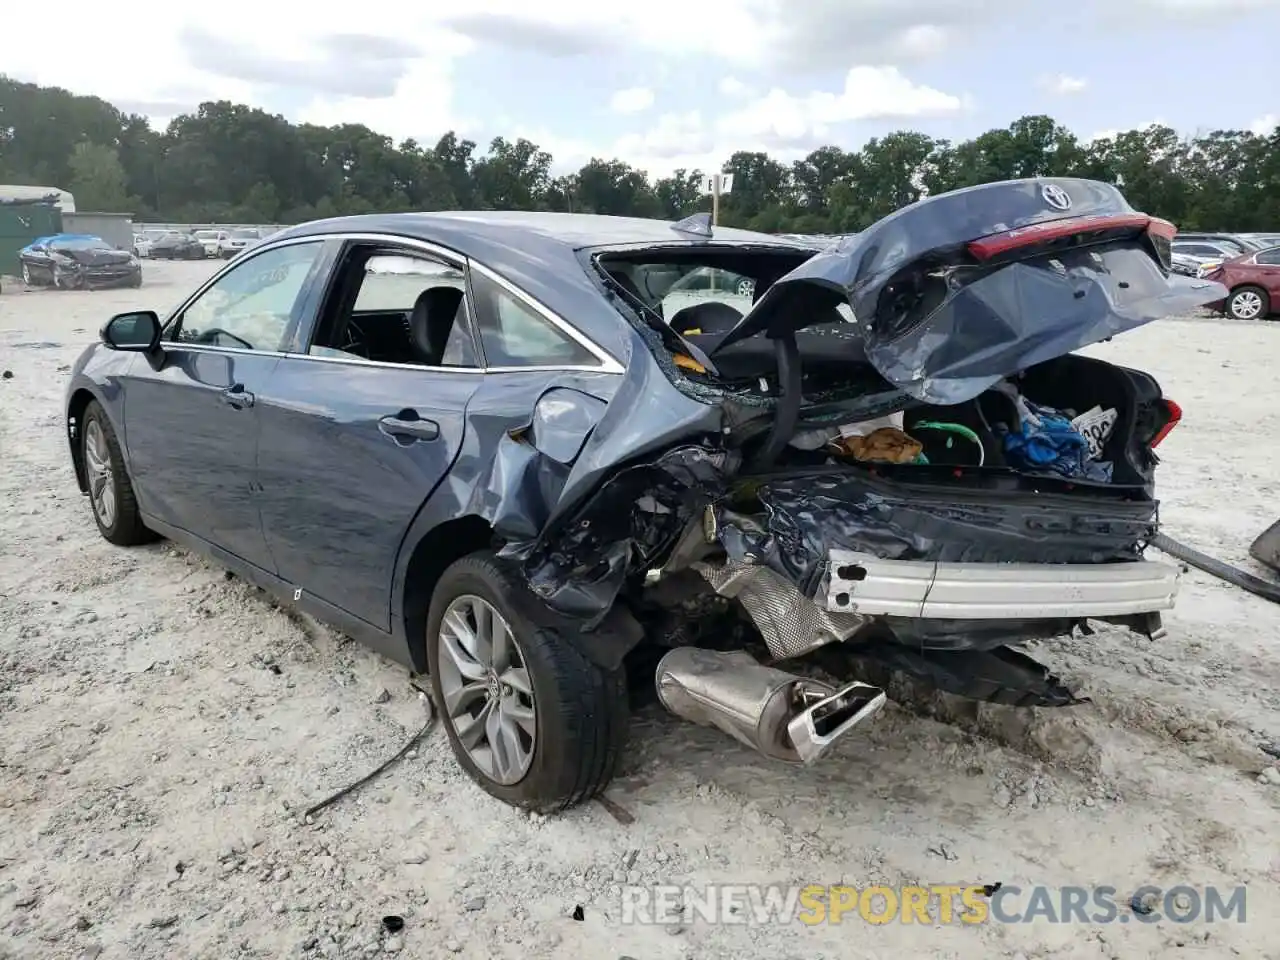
[
  {"x": 76, "y": 406},
  {"x": 441, "y": 546}
]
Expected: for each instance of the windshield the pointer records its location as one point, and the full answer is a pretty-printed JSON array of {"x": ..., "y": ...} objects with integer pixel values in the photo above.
[{"x": 81, "y": 243}]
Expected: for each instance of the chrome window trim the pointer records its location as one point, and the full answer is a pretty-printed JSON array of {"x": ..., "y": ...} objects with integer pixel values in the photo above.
[
  {"x": 359, "y": 362},
  {"x": 608, "y": 363}
]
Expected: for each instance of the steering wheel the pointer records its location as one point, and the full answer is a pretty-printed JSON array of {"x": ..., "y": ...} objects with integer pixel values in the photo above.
[
  {"x": 353, "y": 340},
  {"x": 213, "y": 333}
]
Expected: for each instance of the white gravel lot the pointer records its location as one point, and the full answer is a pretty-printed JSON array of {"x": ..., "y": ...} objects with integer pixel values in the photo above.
[{"x": 160, "y": 725}]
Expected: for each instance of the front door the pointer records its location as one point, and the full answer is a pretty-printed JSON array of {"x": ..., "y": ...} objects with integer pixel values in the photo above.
[
  {"x": 191, "y": 414},
  {"x": 359, "y": 430}
]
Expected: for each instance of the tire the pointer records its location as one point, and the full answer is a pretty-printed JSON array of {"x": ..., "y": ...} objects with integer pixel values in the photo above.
[
  {"x": 26, "y": 275},
  {"x": 124, "y": 526},
  {"x": 1248, "y": 303},
  {"x": 580, "y": 716}
]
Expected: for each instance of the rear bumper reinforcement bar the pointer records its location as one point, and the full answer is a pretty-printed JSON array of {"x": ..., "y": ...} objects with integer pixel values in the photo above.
[{"x": 858, "y": 583}]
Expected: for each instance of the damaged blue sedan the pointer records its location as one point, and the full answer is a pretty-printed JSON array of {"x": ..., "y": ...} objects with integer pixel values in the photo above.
[{"x": 521, "y": 453}]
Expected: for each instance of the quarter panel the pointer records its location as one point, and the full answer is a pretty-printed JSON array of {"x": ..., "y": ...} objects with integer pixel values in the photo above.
[{"x": 504, "y": 402}]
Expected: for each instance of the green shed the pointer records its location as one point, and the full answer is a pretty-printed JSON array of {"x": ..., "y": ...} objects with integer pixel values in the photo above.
[{"x": 21, "y": 221}]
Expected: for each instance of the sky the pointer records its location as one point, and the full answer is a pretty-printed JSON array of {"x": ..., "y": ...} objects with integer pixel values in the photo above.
[{"x": 664, "y": 84}]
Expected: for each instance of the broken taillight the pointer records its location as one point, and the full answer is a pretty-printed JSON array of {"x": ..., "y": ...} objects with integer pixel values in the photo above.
[
  {"x": 1174, "y": 413},
  {"x": 1042, "y": 238}
]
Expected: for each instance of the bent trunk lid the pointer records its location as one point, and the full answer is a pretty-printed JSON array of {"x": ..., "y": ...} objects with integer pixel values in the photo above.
[{"x": 956, "y": 292}]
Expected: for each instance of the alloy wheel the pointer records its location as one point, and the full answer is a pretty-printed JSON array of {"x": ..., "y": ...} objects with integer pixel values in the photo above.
[
  {"x": 26, "y": 274},
  {"x": 102, "y": 488},
  {"x": 1246, "y": 305},
  {"x": 487, "y": 693}
]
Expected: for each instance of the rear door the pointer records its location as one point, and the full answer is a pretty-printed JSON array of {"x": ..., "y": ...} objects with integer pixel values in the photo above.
[
  {"x": 359, "y": 426},
  {"x": 191, "y": 415},
  {"x": 37, "y": 267}
]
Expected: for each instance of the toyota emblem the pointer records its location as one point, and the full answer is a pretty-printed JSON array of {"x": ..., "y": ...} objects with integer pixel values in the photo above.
[{"x": 1055, "y": 196}]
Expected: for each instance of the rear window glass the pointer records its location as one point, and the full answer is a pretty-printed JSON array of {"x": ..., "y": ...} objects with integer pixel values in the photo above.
[{"x": 668, "y": 283}]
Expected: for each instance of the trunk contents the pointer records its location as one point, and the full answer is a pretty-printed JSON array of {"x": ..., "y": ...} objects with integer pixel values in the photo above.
[{"x": 1073, "y": 419}]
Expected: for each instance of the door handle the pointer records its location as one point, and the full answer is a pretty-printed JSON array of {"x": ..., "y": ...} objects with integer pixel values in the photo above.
[
  {"x": 237, "y": 396},
  {"x": 407, "y": 427}
]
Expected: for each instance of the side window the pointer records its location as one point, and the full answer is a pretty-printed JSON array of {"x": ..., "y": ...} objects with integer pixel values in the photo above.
[
  {"x": 407, "y": 308},
  {"x": 1269, "y": 257},
  {"x": 513, "y": 334},
  {"x": 252, "y": 305}
]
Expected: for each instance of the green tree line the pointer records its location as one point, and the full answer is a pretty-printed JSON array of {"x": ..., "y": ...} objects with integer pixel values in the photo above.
[{"x": 230, "y": 163}]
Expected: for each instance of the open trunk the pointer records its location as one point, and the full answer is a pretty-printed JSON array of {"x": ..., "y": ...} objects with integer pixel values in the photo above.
[{"x": 1015, "y": 479}]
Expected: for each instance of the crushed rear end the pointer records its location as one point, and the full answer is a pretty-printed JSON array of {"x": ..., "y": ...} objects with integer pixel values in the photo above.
[{"x": 894, "y": 454}]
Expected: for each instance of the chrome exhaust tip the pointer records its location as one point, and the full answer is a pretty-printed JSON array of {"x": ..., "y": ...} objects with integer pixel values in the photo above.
[{"x": 780, "y": 715}]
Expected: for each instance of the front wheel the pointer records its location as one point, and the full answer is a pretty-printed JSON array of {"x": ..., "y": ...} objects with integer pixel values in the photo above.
[
  {"x": 115, "y": 509},
  {"x": 1248, "y": 303},
  {"x": 530, "y": 719},
  {"x": 26, "y": 275}
]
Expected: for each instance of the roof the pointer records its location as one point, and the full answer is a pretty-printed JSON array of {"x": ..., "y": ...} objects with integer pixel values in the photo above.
[
  {"x": 539, "y": 252},
  {"x": 466, "y": 231}
]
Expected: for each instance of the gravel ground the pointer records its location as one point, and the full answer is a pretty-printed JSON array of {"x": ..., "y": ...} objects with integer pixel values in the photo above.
[{"x": 161, "y": 726}]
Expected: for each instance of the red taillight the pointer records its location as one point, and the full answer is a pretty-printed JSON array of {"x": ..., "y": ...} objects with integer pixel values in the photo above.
[
  {"x": 1075, "y": 231},
  {"x": 1175, "y": 414}
]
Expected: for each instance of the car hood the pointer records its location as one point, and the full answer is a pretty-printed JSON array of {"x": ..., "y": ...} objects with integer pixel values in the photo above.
[
  {"x": 956, "y": 292},
  {"x": 95, "y": 258}
]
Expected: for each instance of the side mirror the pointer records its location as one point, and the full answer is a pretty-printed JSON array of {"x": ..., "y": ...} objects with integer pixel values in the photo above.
[{"x": 137, "y": 332}]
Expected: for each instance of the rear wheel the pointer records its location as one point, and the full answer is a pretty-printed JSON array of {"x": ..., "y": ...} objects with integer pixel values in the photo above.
[
  {"x": 530, "y": 719},
  {"x": 115, "y": 509},
  {"x": 1248, "y": 303}
]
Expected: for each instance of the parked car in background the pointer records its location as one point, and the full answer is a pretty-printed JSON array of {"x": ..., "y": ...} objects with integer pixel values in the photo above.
[
  {"x": 1263, "y": 240},
  {"x": 235, "y": 242},
  {"x": 1193, "y": 258},
  {"x": 177, "y": 246},
  {"x": 1233, "y": 242},
  {"x": 1252, "y": 282},
  {"x": 1206, "y": 249},
  {"x": 623, "y": 491},
  {"x": 141, "y": 245},
  {"x": 211, "y": 241},
  {"x": 76, "y": 261}
]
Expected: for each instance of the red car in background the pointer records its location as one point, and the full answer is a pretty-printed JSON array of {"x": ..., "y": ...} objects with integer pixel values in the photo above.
[{"x": 1253, "y": 284}]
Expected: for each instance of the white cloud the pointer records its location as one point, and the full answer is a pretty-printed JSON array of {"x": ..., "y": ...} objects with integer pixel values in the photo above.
[
  {"x": 631, "y": 100},
  {"x": 1063, "y": 85},
  {"x": 1266, "y": 125},
  {"x": 177, "y": 59},
  {"x": 733, "y": 87},
  {"x": 921, "y": 41},
  {"x": 785, "y": 125}
]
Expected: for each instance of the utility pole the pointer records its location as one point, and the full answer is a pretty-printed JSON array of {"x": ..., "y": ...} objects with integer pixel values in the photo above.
[{"x": 715, "y": 198}]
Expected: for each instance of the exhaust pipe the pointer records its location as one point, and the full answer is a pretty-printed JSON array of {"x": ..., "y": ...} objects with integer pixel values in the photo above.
[{"x": 781, "y": 715}]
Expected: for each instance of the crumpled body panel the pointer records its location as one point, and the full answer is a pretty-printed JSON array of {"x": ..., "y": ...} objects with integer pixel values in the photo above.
[
  {"x": 809, "y": 515},
  {"x": 942, "y": 326}
]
